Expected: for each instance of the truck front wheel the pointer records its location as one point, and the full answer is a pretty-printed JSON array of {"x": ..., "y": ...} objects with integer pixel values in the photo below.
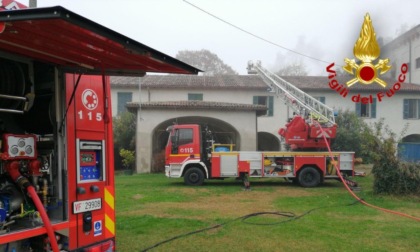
[
  {"x": 194, "y": 176},
  {"x": 309, "y": 177}
]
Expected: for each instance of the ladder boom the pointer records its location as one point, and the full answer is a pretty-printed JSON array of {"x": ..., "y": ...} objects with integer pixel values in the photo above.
[{"x": 299, "y": 101}]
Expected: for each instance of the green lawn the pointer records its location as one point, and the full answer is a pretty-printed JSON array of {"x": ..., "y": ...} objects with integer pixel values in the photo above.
[{"x": 151, "y": 208}]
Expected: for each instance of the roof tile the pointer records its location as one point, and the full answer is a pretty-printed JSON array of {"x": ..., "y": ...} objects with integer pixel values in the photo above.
[
  {"x": 247, "y": 82},
  {"x": 196, "y": 105}
]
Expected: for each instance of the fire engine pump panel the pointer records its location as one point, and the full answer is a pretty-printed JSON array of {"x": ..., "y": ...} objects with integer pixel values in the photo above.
[
  {"x": 32, "y": 152},
  {"x": 28, "y": 155}
]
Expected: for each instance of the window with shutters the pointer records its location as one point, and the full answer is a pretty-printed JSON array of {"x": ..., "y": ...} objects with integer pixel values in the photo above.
[
  {"x": 366, "y": 110},
  {"x": 122, "y": 99},
  {"x": 411, "y": 109},
  {"x": 266, "y": 101}
]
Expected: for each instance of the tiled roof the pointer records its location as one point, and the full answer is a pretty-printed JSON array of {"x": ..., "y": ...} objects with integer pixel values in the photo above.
[
  {"x": 192, "y": 82},
  {"x": 322, "y": 82},
  {"x": 196, "y": 105},
  {"x": 247, "y": 82}
]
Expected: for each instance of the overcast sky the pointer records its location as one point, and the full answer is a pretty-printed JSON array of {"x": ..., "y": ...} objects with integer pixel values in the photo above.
[{"x": 323, "y": 29}]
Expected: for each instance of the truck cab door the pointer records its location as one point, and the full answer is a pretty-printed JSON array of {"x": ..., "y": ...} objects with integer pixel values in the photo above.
[
  {"x": 174, "y": 144},
  {"x": 183, "y": 143}
]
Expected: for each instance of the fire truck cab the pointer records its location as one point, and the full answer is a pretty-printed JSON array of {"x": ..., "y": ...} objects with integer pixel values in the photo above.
[{"x": 56, "y": 145}]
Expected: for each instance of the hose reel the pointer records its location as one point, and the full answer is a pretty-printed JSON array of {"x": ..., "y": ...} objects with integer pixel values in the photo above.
[{"x": 13, "y": 87}]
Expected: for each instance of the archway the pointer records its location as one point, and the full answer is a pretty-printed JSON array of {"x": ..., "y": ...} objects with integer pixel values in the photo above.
[
  {"x": 268, "y": 142},
  {"x": 223, "y": 131},
  {"x": 409, "y": 148}
]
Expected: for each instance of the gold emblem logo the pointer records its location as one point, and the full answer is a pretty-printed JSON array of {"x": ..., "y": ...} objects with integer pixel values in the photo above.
[{"x": 366, "y": 50}]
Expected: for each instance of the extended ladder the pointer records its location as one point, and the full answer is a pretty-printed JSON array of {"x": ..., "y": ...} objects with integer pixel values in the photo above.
[{"x": 299, "y": 101}]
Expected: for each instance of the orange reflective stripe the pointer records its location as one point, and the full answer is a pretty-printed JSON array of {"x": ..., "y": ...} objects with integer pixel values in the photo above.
[
  {"x": 109, "y": 199},
  {"x": 109, "y": 210}
]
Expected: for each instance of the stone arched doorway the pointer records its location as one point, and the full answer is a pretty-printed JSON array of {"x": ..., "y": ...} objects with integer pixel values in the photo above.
[
  {"x": 268, "y": 142},
  {"x": 224, "y": 132}
]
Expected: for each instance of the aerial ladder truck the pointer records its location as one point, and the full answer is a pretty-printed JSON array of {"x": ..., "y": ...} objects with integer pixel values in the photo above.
[{"x": 192, "y": 152}]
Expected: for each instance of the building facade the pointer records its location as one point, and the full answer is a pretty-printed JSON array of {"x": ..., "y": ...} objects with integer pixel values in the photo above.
[
  {"x": 405, "y": 49},
  {"x": 233, "y": 104}
]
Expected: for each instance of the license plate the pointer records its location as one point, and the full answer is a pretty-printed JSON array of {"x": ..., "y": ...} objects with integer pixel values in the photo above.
[{"x": 87, "y": 205}]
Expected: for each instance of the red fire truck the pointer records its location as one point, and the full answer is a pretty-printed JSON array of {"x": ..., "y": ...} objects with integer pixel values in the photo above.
[
  {"x": 56, "y": 157},
  {"x": 192, "y": 152}
]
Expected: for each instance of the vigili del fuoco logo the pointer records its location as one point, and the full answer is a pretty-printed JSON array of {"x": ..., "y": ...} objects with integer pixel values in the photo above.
[{"x": 367, "y": 69}]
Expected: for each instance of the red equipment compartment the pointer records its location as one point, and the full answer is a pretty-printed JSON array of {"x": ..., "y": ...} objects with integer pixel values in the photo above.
[
  {"x": 300, "y": 134},
  {"x": 243, "y": 166},
  {"x": 316, "y": 132},
  {"x": 215, "y": 166},
  {"x": 302, "y": 161}
]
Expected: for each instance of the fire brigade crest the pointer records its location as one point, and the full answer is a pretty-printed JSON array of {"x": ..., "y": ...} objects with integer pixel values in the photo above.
[{"x": 367, "y": 51}]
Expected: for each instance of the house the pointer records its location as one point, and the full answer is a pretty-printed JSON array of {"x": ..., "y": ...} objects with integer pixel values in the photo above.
[
  {"x": 244, "y": 112},
  {"x": 405, "y": 49}
]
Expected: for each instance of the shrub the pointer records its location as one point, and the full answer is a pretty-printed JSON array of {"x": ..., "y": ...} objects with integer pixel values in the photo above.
[
  {"x": 377, "y": 144},
  {"x": 124, "y": 129},
  {"x": 128, "y": 158},
  {"x": 353, "y": 134},
  {"x": 391, "y": 175}
]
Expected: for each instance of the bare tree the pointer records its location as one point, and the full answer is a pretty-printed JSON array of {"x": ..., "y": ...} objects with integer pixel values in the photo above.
[
  {"x": 293, "y": 69},
  {"x": 205, "y": 60}
]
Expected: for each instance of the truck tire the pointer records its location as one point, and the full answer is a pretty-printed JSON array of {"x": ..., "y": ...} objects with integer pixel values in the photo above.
[
  {"x": 309, "y": 177},
  {"x": 194, "y": 176}
]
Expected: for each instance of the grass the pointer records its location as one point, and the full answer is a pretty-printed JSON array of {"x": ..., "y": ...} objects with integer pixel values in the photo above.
[{"x": 151, "y": 208}]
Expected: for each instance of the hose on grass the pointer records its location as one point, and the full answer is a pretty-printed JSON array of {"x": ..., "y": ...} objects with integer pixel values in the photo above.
[
  {"x": 351, "y": 192},
  {"x": 246, "y": 219}
]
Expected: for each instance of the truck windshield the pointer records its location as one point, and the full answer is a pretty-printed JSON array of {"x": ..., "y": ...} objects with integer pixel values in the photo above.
[
  {"x": 184, "y": 136},
  {"x": 179, "y": 137}
]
